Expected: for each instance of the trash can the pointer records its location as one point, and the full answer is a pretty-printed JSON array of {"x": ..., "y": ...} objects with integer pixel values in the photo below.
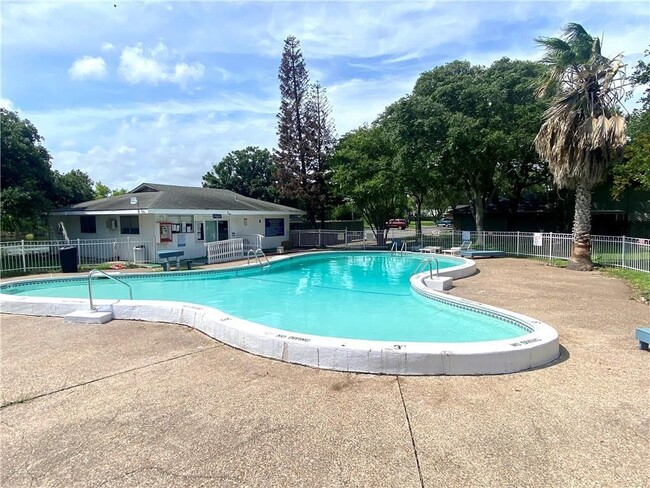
[
  {"x": 68, "y": 257},
  {"x": 139, "y": 254}
]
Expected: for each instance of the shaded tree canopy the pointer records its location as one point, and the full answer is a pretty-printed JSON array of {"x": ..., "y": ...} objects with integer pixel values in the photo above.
[
  {"x": 365, "y": 170},
  {"x": 27, "y": 184},
  {"x": 72, "y": 187},
  {"x": 634, "y": 169},
  {"x": 103, "y": 191},
  {"x": 249, "y": 172},
  {"x": 476, "y": 126}
]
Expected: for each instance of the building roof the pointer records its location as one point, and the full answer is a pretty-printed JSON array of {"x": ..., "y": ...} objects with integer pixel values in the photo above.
[{"x": 155, "y": 198}]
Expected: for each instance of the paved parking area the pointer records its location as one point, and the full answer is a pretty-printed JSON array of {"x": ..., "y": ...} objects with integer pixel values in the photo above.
[{"x": 144, "y": 404}]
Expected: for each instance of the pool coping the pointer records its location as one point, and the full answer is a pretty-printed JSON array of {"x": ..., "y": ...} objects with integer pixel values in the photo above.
[{"x": 539, "y": 346}]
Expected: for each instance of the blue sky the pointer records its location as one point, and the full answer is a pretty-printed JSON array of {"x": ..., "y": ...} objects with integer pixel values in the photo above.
[{"x": 159, "y": 91}]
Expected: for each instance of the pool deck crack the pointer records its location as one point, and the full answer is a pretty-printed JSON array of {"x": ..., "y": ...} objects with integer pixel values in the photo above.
[
  {"x": 112, "y": 375},
  {"x": 408, "y": 422}
]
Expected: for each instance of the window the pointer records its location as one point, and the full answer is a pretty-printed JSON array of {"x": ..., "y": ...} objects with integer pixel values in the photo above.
[
  {"x": 129, "y": 224},
  {"x": 273, "y": 227},
  {"x": 88, "y": 224}
]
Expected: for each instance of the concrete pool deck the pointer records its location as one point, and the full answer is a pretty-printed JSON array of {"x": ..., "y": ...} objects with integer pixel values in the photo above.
[{"x": 133, "y": 404}]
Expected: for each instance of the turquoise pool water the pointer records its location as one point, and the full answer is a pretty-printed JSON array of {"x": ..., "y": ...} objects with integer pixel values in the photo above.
[{"x": 347, "y": 295}]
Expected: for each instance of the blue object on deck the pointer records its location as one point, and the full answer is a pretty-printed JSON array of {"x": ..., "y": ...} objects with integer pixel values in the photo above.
[
  {"x": 643, "y": 336},
  {"x": 168, "y": 255},
  {"x": 476, "y": 253}
]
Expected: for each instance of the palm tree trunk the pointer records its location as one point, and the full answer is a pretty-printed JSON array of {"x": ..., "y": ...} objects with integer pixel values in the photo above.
[{"x": 581, "y": 255}]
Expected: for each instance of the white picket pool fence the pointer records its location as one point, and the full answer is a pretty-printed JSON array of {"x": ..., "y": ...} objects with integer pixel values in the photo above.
[
  {"x": 617, "y": 251},
  {"x": 222, "y": 251},
  {"x": 31, "y": 256}
]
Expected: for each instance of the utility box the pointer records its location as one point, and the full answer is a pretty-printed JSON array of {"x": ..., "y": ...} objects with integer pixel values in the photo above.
[
  {"x": 69, "y": 259},
  {"x": 139, "y": 254}
]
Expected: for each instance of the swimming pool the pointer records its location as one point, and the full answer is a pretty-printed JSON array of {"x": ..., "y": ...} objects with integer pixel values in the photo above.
[{"x": 351, "y": 298}]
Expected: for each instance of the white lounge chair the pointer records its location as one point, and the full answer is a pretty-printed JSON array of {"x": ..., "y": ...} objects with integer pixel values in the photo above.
[{"x": 457, "y": 249}]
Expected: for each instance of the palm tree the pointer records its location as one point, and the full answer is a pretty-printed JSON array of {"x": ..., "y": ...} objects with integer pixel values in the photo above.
[{"x": 583, "y": 131}]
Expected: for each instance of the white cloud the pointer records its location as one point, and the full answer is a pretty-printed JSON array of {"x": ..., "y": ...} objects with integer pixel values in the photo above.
[
  {"x": 165, "y": 149},
  {"x": 135, "y": 67},
  {"x": 184, "y": 72},
  {"x": 107, "y": 46},
  {"x": 6, "y": 104},
  {"x": 156, "y": 65},
  {"x": 356, "y": 101},
  {"x": 88, "y": 68}
]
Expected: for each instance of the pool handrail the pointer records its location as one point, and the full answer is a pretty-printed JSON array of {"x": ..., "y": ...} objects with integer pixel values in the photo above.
[
  {"x": 394, "y": 250},
  {"x": 255, "y": 255},
  {"x": 90, "y": 290},
  {"x": 428, "y": 261}
]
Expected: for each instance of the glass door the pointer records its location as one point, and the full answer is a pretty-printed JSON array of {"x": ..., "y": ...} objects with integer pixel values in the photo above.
[
  {"x": 210, "y": 231},
  {"x": 222, "y": 231},
  {"x": 216, "y": 230}
]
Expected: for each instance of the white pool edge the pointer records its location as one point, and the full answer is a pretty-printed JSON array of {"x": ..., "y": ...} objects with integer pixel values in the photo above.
[{"x": 538, "y": 347}]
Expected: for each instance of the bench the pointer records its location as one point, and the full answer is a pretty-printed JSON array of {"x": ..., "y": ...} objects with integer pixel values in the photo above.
[
  {"x": 169, "y": 255},
  {"x": 485, "y": 253},
  {"x": 643, "y": 336},
  {"x": 431, "y": 249}
]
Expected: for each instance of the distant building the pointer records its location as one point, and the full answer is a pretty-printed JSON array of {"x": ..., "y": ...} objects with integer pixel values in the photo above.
[{"x": 176, "y": 217}]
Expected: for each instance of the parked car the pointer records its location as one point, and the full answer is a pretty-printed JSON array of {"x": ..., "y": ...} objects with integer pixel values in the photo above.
[
  {"x": 444, "y": 223},
  {"x": 397, "y": 224}
]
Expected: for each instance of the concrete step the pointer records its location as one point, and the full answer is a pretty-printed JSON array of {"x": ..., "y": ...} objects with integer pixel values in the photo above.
[{"x": 88, "y": 317}]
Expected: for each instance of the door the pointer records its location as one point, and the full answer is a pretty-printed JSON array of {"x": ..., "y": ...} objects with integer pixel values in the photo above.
[
  {"x": 222, "y": 232},
  {"x": 216, "y": 230},
  {"x": 211, "y": 231}
]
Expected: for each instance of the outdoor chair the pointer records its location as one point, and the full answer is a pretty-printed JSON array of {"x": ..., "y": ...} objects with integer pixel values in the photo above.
[{"x": 457, "y": 249}]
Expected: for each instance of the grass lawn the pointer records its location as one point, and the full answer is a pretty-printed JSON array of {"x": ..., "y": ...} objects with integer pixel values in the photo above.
[{"x": 638, "y": 280}]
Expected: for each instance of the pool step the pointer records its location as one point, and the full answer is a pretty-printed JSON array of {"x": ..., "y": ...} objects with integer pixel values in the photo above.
[
  {"x": 88, "y": 317},
  {"x": 439, "y": 283}
]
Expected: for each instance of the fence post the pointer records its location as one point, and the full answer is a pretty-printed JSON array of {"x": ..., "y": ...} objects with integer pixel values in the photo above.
[
  {"x": 550, "y": 246},
  {"x": 517, "y": 244},
  {"x": 319, "y": 238},
  {"x": 623, "y": 254},
  {"x": 22, "y": 253},
  {"x": 346, "y": 237},
  {"x": 78, "y": 251}
]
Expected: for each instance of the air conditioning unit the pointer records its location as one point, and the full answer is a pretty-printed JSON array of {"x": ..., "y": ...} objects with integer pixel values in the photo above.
[{"x": 111, "y": 224}]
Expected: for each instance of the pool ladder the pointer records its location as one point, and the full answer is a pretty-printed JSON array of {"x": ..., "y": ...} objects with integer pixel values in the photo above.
[
  {"x": 419, "y": 267},
  {"x": 256, "y": 254},
  {"x": 90, "y": 288},
  {"x": 401, "y": 250}
]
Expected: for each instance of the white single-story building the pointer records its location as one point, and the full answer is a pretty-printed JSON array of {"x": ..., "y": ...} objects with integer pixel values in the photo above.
[{"x": 176, "y": 218}]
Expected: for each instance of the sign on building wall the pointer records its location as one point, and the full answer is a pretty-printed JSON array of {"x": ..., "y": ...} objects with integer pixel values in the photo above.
[{"x": 181, "y": 240}]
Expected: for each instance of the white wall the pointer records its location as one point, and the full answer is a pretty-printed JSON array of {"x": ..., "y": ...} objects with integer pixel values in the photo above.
[{"x": 186, "y": 241}]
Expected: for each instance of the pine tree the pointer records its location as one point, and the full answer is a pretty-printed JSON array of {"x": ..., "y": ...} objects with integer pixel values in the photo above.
[
  {"x": 323, "y": 139},
  {"x": 306, "y": 137},
  {"x": 292, "y": 153}
]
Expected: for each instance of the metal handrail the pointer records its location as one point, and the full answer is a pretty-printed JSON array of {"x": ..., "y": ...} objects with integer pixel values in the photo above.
[
  {"x": 255, "y": 255},
  {"x": 428, "y": 261},
  {"x": 90, "y": 290},
  {"x": 393, "y": 248}
]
